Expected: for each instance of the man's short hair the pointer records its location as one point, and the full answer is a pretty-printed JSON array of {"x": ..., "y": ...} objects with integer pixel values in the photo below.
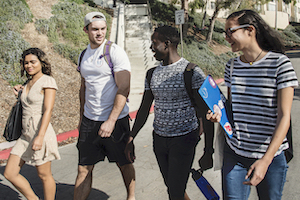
[
  {"x": 93, "y": 16},
  {"x": 168, "y": 33}
]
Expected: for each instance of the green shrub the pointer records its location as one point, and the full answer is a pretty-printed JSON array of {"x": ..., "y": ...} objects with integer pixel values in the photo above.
[
  {"x": 67, "y": 25},
  {"x": 14, "y": 14},
  {"x": 290, "y": 35},
  {"x": 68, "y": 51},
  {"x": 200, "y": 53}
]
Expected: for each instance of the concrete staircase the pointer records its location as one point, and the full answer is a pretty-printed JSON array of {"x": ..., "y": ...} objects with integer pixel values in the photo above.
[{"x": 137, "y": 45}]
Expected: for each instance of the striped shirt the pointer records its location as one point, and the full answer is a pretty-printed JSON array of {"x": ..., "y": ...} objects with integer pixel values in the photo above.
[
  {"x": 254, "y": 101},
  {"x": 174, "y": 114}
]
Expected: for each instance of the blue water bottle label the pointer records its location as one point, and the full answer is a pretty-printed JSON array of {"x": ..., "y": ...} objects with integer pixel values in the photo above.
[{"x": 207, "y": 189}]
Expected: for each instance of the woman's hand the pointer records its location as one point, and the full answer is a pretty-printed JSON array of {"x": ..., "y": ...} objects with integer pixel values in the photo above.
[
  {"x": 17, "y": 88},
  {"x": 37, "y": 143},
  {"x": 257, "y": 172},
  {"x": 213, "y": 117}
]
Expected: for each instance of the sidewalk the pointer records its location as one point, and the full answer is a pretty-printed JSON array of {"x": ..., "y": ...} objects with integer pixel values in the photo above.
[{"x": 107, "y": 182}]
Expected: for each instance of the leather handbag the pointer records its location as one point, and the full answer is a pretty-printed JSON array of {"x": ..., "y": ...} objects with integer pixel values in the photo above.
[{"x": 13, "y": 128}]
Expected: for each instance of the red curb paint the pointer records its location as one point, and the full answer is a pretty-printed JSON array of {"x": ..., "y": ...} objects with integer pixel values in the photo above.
[
  {"x": 218, "y": 81},
  {"x": 64, "y": 136},
  {"x": 4, "y": 154}
]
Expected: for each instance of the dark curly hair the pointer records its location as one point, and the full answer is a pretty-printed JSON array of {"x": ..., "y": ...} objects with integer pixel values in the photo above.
[
  {"x": 168, "y": 33},
  {"x": 267, "y": 38},
  {"x": 46, "y": 66}
]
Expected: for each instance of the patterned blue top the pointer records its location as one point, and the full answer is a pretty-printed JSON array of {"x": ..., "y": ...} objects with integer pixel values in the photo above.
[{"x": 174, "y": 114}]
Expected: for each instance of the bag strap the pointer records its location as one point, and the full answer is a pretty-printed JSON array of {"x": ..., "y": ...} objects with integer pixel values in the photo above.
[
  {"x": 80, "y": 59},
  {"x": 19, "y": 95},
  {"x": 149, "y": 75},
  {"x": 231, "y": 69},
  {"x": 187, "y": 76},
  {"x": 107, "y": 57}
]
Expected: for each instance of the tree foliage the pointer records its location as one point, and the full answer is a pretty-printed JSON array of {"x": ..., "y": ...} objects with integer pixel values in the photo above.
[
  {"x": 219, "y": 4},
  {"x": 161, "y": 12},
  {"x": 197, "y": 4},
  {"x": 290, "y": 1}
]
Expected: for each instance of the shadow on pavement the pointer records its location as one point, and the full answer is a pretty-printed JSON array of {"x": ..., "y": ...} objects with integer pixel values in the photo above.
[{"x": 63, "y": 191}]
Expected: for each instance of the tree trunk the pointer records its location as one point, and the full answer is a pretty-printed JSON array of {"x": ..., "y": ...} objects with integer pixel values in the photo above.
[
  {"x": 185, "y": 7},
  {"x": 203, "y": 20},
  {"x": 204, "y": 15},
  {"x": 238, "y": 4},
  {"x": 212, "y": 24}
]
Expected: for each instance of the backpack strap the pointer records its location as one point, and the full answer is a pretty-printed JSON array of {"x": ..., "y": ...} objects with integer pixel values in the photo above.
[
  {"x": 149, "y": 75},
  {"x": 80, "y": 59},
  {"x": 107, "y": 57},
  {"x": 187, "y": 76}
]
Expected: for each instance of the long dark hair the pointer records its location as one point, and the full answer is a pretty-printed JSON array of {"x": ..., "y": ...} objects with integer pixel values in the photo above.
[
  {"x": 267, "y": 38},
  {"x": 46, "y": 66}
]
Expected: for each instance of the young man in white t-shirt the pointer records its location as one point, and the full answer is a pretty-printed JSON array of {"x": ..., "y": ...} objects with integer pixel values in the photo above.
[{"x": 103, "y": 109}]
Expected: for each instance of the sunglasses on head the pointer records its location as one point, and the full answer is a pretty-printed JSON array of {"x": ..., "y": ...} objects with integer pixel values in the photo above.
[{"x": 229, "y": 31}]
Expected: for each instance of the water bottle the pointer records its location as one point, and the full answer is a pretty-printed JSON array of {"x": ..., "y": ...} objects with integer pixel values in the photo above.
[{"x": 204, "y": 185}]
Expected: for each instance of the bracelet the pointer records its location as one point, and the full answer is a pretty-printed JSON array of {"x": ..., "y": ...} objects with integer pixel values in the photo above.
[{"x": 209, "y": 150}]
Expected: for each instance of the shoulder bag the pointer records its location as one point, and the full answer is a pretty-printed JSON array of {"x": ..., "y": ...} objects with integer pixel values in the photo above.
[{"x": 13, "y": 128}]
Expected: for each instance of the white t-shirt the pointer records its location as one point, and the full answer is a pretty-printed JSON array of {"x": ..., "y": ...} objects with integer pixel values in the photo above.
[{"x": 100, "y": 86}]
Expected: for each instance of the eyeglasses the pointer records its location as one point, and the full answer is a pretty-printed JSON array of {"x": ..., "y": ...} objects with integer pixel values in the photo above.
[{"x": 229, "y": 31}]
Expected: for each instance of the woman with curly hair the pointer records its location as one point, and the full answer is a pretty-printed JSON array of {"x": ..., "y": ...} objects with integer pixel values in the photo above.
[
  {"x": 37, "y": 145},
  {"x": 261, "y": 85}
]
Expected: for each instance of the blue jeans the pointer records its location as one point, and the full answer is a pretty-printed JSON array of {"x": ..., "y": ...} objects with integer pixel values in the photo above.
[{"x": 235, "y": 168}]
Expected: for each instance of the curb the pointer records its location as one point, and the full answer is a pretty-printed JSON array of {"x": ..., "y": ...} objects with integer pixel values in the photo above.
[{"x": 4, "y": 154}]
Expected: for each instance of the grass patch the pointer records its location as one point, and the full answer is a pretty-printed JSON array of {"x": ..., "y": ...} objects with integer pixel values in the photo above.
[{"x": 14, "y": 15}]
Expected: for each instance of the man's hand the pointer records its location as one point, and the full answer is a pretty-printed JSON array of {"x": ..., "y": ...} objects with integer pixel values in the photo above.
[
  {"x": 206, "y": 161},
  {"x": 129, "y": 150},
  {"x": 107, "y": 128}
]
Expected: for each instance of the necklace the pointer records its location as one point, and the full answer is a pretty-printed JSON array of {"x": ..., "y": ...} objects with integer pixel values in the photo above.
[{"x": 251, "y": 63}]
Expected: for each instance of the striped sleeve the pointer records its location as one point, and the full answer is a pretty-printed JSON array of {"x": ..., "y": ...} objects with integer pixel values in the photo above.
[{"x": 286, "y": 76}]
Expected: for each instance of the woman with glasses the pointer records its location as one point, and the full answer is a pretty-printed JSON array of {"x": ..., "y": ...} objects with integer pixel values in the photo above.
[{"x": 261, "y": 85}]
